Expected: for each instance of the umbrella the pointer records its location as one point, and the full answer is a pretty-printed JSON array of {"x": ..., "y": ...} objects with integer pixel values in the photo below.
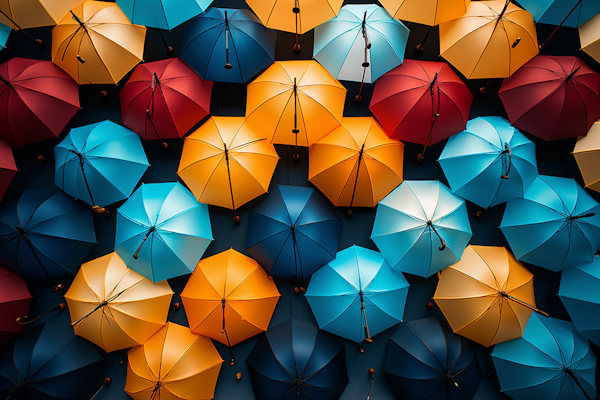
[
  {"x": 176, "y": 227},
  {"x": 38, "y": 101},
  {"x": 573, "y": 12},
  {"x": 115, "y": 307},
  {"x": 162, "y": 14},
  {"x": 229, "y": 298},
  {"x": 293, "y": 232},
  {"x": 14, "y": 303},
  {"x": 20, "y": 14},
  {"x": 295, "y": 360},
  {"x": 357, "y": 295},
  {"x": 556, "y": 224},
  {"x": 227, "y": 163},
  {"x": 8, "y": 168},
  {"x": 228, "y": 45},
  {"x": 552, "y": 97},
  {"x": 295, "y": 102},
  {"x": 421, "y": 227},
  {"x": 356, "y": 164},
  {"x": 490, "y": 162},
  {"x": 428, "y": 13},
  {"x": 550, "y": 361},
  {"x": 492, "y": 40},
  {"x": 426, "y": 361},
  {"x": 96, "y": 43},
  {"x": 487, "y": 296},
  {"x": 589, "y": 37},
  {"x": 4, "y": 33},
  {"x": 164, "y": 99},
  {"x": 587, "y": 155},
  {"x": 48, "y": 362},
  {"x": 99, "y": 163},
  {"x": 175, "y": 363}
]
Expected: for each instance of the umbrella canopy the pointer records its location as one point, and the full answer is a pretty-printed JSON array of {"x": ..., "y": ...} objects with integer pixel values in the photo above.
[
  {"x": 176, "y": 227},
  {"x": 228, "y": 45},
  {"x": 356, "y": 164},
  {"x": 552, "y": 97},
  {"x": 556, "y": 224},
  {"x": 4, "y": 33},
  {"x": 39, "y": 100},
  {"x": 298, "y": 16},
  {"x": 492, "y": 40},
  {"x": 421, "y": 227},
  {"x": 14, "y": 303},
  {"x": 175, "y": 363},
  {"x": 113, "y": 306},
  {"x": 96, "y": 43},
  {"x": 162, "y": 14},
  {"x": 164, "y": 99},
  {"x": 357, "y": 295},
  {"x": 554, "y": 11},
  {"x": 425, "y": 360},
  {"x": 35, "y": 13},
  {"x": 8, "y": 168},
  {"x": 293, "y": 232},
  {"x": 587, "y": 155},
  {"x": 490, "y": 162},
  {"x": 589, "y": 36},
  {"x": 487, "y": 296},
  {"x": 295, "y": 360},
  {"x": 431, "y": 12},
  {"x": 550, "y": 361}
]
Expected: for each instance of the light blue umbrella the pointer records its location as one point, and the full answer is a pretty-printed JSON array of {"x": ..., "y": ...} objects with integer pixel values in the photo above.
[
  {"x": 551, "y": 361},
  {"x": 554, "y": 11},
  {"x": 357, "y": 295},
  {"x": 556, "y": 224},
  {"x": 490, "y": 162},
  {"x": 162, "y": 14},
  {"x": 162, "y": 231},
  {"x": 421, "y": 227},
  {"x": 4, "y": 33}
]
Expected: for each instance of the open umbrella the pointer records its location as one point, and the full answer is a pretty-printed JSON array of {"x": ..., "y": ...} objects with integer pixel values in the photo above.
[
  {"x": 14, "y": 303},
  {"x": 573, "y": 12},
  {"x": 432, "y": 12},
  {"x": 556, "y": 224},
  {"x": 587, "y": 155},
  {"x": 8, "y": 168},
  {"x": 4, "y": 33},
  {"x": 162, "y": 14},
  {"x": 293, "y": 232},
  {"x": 20, "y": 14},
  {"x": 589, "y": 36},
  {"x": 421, "y": 227},
  {"x": 295, "y": 360}
]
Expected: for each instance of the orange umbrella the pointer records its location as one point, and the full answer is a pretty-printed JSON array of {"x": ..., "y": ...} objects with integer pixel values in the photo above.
[
  {"x": 175, "y": 363},
  {"x": 23, "y": 14},
  {"x": 115, "y": 307},
  {"x": 356, "y": 164},
  {"x": 487, "y": 296},
  {"x": 227, "y": 163},
  {"x": 589, "y": 36},
  {"x": 229, "y": 298}
]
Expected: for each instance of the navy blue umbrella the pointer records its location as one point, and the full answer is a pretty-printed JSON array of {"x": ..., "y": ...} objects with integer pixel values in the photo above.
[{"x": 297, "y": 361}]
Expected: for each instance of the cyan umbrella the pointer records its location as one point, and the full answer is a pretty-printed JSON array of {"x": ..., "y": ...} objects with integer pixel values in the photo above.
[
  {"x": 421, "y": 227},
  {"x": 551, "y": 361},
  {"x": 4, "y": 33},
  {"x": 162, "y": 14},
  {"x": 293, "y": 232},
  {"x": 162, "y": 231},
  {"x": 228, "y": 45},
  {"x": 357, "y": 295},
  {"x": 556, "y": 224},
  {"x": 490, "y": 162},
  {"x": 554, "y": 11}
]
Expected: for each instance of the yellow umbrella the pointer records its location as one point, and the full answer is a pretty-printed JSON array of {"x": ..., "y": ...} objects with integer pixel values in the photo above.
[
  {"x": 426, "y": 12},
  {"x": 23, "y": 14},
  {"x": 587, "y": 155},
  {"x": 96, "y": 43},
  {"x": 115, "y": 307},
  {"x": 589, "y": 36}
]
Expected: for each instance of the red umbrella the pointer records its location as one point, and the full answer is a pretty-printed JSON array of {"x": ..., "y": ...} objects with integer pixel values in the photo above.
[
  {"x": 164, "y": 99},
  {"x": 14, "y": 303},
  {"x": 8, "y": 169},
  {"x": 552, "y": 97},
  {"x": 37, "y": 100},
  {"x": 421, "y": 102}
]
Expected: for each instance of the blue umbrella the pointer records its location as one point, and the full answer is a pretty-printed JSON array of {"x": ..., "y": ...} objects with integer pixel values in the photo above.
[
  {"x": 490, "y": 162},
  {"x": 556, "y": 224},
  {"x": 162, "y": 231},
  {"x": 554, "y": 11},
  {"x": 228, "y": 45},
  {"x": 162, "y": 14},
  {"x": 357, "y": 284},
  {"x": 551, "y": 361},
  {"x": 4, "y": 33},
  {"x": 293, "y": 232},
  {"x": 296, "y": 361},
  {"x": 421, "y": 227}
]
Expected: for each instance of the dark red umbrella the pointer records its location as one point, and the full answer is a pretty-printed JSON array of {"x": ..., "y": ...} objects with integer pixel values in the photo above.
[
  {"x": 164, "y": 99},
  {"x": 8, "y": 169},
  {"x": 37, "y": 100},
  {"x": 14, "y": 303},
  {"x": 421, "y": 102},
  {"x": 552, "y": 97}
]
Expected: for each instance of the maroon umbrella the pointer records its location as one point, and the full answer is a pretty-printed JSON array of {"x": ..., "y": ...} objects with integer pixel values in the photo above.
[
  {"x": 552, "y": 97},
  {"x": 8, "y": 169},
  {"x": 14, "y": 303},
  {"x": 164, "y": 99},
  {"x": 37, "y": 100}
]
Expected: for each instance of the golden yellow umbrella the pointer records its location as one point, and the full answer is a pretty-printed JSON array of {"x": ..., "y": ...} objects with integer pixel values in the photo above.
[
  {"x": 115, "y": 307},
  {"x": 356, "y": 164},
  {"x": 587, "y": 155},
  {"x": 96, "y": 43},
  {"x": 589, "y": 36},
  {"x": 23, "y": 14},
  {"x": 487, "y": 296}
]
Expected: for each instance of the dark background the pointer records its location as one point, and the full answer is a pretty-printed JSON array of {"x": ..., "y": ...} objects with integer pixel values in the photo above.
[{"x": 554, "y": 158}]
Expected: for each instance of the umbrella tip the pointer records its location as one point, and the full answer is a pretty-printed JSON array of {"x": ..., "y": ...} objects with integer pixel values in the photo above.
[
  {"x": 296, "y": 47},
  {"x": 419, "y": 47},
  {"x": 228, "y": 66},
  {"x": 358, "y": 98},
  {"x": 238, "y": 376}
]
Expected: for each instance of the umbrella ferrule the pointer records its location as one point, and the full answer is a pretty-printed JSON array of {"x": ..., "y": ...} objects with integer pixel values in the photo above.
[
  {"x": 573, "y": 217},
  {"x": 502, "y": 13},
  {"x": 76, "y": 18},
  {"x": 433, "y": 82},
  {"x": 6, "y": 82},
  {"x": 572, "y": 74}
]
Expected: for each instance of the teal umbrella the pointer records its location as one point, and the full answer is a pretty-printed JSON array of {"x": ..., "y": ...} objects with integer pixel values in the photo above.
[
  {"x": 4, "y": 33},
  {"x": 162, "y": 14}
]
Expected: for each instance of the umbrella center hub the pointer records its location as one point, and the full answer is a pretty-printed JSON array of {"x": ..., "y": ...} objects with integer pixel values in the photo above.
[{"x": 20, "y": 229}]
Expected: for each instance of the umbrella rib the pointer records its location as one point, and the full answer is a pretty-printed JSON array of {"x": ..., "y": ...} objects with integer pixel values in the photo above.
[
  {"x": 426, "y": 345},
  {"x": 213, "y": 45},
  {"x": 545, "y": 98}
]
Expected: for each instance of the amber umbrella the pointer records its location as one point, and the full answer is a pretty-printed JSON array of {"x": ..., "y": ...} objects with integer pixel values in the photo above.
[
  {"x": 589, "y": 36},
  {"x": 113, "y": 306},
  {"x": 587, "y": 155},
  {"x": 229, "y": 298},
  {"x": 487, "y": 296}
]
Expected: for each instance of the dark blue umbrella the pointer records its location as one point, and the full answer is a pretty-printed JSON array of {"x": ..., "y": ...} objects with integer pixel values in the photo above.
[
  {"x": 293, "y": 232},
  {"x": 297, "y": 361}
]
